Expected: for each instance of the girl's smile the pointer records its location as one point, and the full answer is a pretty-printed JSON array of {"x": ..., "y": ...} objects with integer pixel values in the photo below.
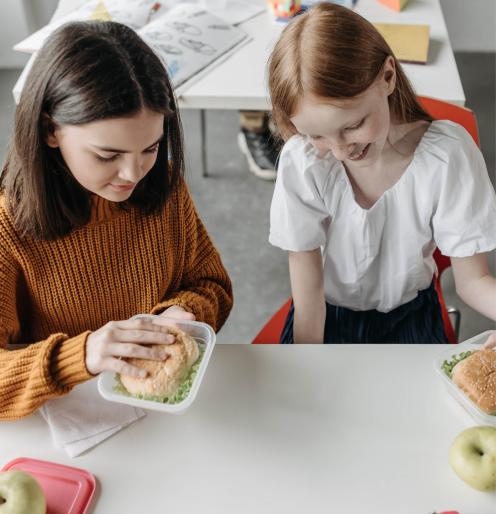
[
  {"x": 120, "y": 187},
  {"x": 353, "y": 129},
  {"x": 362, "y": 154}
]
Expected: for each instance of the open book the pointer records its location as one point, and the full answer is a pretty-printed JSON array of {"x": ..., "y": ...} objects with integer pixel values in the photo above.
[
  {"x": 134, "y": 13},
  {"x": 186, "y": 37}
]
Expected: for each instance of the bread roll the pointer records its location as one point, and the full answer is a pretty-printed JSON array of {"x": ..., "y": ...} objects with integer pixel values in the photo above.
[
  {"x": 164, "y": 377},
  {"x": 476, "y": 377}
]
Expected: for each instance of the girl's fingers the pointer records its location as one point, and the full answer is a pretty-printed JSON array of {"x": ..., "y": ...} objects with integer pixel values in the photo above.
[
  {"x": 188, "y": 315},
  {"x": 166, "y": 322},
  {"x": 179, "y": 315},
  {"x": 143, "y": 336},
  {"x": 143, "y": 324},
  {"x": 123, "y": 367},
  {"x": 137, "y": 351},
  {"x": 491, "y": 342}
]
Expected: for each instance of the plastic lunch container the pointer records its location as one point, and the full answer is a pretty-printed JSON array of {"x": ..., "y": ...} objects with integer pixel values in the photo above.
[
  {"x": 68, "y": 490},
  {"x": 448, "y": 353},
  {"x": 203, "y": 334}
]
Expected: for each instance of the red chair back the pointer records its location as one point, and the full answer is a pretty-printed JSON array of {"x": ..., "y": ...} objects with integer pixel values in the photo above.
[
  {"x": 442, "y": 263},
  {"x": 439, "y": 110},
  {"x": 272, "y": 330}
]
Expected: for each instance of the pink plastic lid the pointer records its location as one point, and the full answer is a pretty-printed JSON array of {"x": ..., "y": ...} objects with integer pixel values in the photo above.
[{"x": 67, "y": 490}]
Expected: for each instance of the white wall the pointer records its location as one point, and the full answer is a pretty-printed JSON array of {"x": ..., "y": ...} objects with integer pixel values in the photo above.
[
  {"x": 471, "y": 24},
  {"x": 18, "y": 19},
  {"x": 13, "y": 27},
  {"x": 40, "y": 11}
]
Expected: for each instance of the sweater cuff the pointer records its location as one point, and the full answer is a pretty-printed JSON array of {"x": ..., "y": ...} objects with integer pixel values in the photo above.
[
  {"x": 162, "y": 306},
  {"x": 68, "y": 361},
  {"x": 191, "y": 302}
]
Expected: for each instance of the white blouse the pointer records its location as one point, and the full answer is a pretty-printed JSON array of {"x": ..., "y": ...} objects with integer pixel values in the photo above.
[{"x": 379, "y": 258}]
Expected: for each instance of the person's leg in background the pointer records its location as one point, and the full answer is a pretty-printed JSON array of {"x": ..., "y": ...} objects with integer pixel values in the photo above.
[{"x": 258, "y": 143}]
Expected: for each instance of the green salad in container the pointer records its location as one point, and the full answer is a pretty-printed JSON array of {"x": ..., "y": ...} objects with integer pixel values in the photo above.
[{"x": 448, "y": 365}]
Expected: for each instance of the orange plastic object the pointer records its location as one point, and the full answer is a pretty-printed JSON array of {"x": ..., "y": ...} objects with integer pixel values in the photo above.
[
  {"x": 396, "y": 5},
  {"x": 284, "y": 9}
]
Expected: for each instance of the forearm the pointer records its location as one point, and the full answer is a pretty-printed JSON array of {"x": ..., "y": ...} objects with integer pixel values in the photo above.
[
  {"x": 309, "y": 321},
  {"x": 480, "y": 294},
  {"x": 307, "y": 286},
  {"x": 42, "y": 369},
  {"x": 32, "y": 375}
]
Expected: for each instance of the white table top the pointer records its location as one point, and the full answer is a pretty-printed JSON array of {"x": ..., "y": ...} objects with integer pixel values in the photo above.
[
  {"x": 241, "y": 82},
  {"x": 295, "y": 429}
]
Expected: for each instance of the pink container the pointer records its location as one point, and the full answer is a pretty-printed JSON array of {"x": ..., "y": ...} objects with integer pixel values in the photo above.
[{"x": 67, "y": 490}]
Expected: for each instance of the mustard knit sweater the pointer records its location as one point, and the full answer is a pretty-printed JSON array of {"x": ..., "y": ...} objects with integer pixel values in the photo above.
[{"x": 53, "y": 293}]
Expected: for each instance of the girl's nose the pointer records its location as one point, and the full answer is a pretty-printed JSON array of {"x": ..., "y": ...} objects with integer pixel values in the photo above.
[{"x": 131, "y": 171}]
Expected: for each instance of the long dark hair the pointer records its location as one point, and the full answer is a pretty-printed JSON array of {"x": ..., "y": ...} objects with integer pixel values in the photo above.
[
  {"x": 332, "y": 52},
  {"x": 86, "y": 71}
]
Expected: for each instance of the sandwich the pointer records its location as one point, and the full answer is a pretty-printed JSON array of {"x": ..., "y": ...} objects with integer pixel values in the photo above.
[
  {"x": 476, "y": 377},
  {"x": 164, "y": 377}
]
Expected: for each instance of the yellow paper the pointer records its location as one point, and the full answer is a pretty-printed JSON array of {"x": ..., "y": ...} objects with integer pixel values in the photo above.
[
  {"x": 101, "y": 13},
  {"x": 409, "y": 43}
]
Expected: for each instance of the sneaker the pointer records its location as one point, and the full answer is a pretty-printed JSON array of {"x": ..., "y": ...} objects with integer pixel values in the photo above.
[{"x": 261, "y": 152}]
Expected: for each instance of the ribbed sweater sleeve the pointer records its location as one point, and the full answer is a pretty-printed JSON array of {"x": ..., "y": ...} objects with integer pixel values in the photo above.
[
  {"x": 46, "y": 369},
  {"x": 205, "y": 287},
  {"x": 121, "y": 263}
]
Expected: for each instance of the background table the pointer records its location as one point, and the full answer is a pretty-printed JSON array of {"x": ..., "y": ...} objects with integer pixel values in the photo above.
[
  {"x": 285, "y": 429},
  {"x": 240, "y": 82}
]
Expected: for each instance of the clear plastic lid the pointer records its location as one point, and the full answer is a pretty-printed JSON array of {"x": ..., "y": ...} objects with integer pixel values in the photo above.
[
  {"x": 475, "y": 343},
  {"x": 203, "y": 334}
]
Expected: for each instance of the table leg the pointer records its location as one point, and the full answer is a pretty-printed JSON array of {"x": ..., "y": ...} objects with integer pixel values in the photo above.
[{"x": 203, "y": 142}]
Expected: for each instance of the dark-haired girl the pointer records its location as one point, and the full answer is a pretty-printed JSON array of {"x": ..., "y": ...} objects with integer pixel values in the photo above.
[{"x": 96, "y": 222}]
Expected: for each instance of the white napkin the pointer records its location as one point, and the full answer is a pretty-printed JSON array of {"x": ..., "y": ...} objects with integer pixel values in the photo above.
[{"x": 83, "y": 419}]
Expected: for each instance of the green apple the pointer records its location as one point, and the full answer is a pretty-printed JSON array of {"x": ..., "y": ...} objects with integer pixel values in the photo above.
[
  {"x": 473, "y": 457},
  {"x": 20, "y": 493}
]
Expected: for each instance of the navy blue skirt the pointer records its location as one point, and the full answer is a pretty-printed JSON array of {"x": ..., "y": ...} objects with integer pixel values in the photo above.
[{"x": 417, "y": 321}]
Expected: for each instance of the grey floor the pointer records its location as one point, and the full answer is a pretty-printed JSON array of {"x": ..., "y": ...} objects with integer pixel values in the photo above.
[{"x": 234, "y": 204}]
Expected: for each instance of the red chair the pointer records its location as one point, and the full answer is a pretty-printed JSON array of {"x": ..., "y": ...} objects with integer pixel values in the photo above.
[{"x": 439, "y": 110}]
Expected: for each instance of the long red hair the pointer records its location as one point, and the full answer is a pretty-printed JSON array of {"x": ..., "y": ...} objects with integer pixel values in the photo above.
[{"x": 333, "y": 52}]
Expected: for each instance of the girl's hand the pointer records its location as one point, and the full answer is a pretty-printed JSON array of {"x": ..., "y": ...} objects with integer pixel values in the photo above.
[
  {"x": 178, "y": 312},
  {"x": 491, "y": 342},
  {"x": 106, "y": 346}
]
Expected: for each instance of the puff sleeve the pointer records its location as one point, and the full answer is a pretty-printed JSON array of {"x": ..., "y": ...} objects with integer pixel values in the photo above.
[
  {"x": 299, "y": 217},
  {"x": 464, "y": 221}
]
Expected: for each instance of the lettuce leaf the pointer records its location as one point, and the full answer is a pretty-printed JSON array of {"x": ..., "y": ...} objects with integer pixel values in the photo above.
[{"x": 448, "y": 365}]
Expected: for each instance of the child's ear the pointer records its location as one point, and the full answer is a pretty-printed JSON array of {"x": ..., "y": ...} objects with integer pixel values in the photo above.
[
  {"x": 49, "y": 131},
  {"x": 389, "y": 74}
]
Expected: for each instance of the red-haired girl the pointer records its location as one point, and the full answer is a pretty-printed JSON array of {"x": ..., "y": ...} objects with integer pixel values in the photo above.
[{"x": 368, "y": 185}]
